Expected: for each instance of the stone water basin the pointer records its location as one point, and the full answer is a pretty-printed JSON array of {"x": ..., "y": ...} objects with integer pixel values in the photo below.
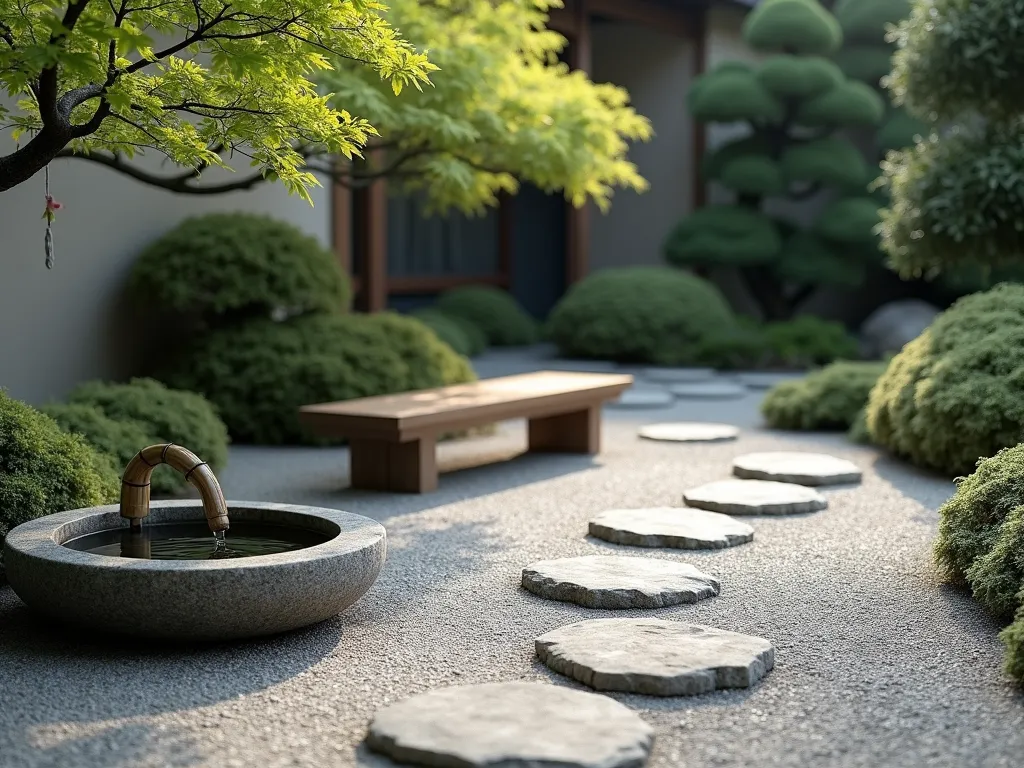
[{"x": 331, "y": 559}]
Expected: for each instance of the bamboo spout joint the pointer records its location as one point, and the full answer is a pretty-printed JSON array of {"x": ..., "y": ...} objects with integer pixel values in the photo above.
[{"x": 136, "y": 478}]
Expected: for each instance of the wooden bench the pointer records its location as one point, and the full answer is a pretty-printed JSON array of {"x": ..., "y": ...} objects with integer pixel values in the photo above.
[{"x": 393, "y": 438}]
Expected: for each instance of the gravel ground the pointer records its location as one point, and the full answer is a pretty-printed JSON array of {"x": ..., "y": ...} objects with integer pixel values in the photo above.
[{"x": 877, "y": 663}]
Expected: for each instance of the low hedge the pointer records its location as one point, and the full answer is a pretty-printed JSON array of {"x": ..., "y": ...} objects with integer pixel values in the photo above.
[
  {"x": 229, "y": 264},
  {"x": 653, "y": 315},
  {"x": 954, "y": 394},
  {"x": 45, "y": 470},
  {"x": 259, "y": 373},
  {"x": 462, "y": 335},
  {"x": 828, "y": 399},
  {"x": 504, "y": 323},
  {"x": 981, "y": 543},
  {"x": 162, "y": 415},
  {"x": 808, "y": 341}
]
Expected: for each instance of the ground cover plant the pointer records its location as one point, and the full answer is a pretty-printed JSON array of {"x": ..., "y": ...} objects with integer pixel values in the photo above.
[
  {"x": 503, "y": 322},
  {"x": 44, "y": 470},
  {"x": 639, "y": 314},
  {"x": 793, "y": 104},
  {"x": 828, "y": 399},
  {"x": 952, "y": 395}
]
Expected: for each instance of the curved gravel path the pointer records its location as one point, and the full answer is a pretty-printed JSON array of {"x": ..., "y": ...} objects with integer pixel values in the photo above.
[{"x": 876, "y": 664}]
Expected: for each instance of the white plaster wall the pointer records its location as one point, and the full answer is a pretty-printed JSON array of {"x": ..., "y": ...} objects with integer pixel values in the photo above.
[
  {"x": 656, "y": 69},
  {"x": 72, "y": 323}
]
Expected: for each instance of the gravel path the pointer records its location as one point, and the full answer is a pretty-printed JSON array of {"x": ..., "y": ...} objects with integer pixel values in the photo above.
[{"x": 876, "y": 663}]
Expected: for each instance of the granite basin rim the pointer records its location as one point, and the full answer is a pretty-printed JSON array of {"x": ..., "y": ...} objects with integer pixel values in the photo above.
[{"x": 195, "y": 599}]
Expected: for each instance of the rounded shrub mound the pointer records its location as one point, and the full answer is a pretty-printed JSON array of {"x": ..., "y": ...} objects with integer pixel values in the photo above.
[
  {"x": 462, "y": 335},
  {"x": 503, "y": 322},
  {"x": 259, "y": 373},
  {"x": 953, "y": 394},
  {"x": 164, "y": 414},
  {"x": 639, "y": 314},
  {"x": 807, "y": 341},
  {"x": 229, "y": 264},
  {"x": 44, "y": 470},
  {"x": 828, "y": 399},
  {"x": 118, "y": 440}
]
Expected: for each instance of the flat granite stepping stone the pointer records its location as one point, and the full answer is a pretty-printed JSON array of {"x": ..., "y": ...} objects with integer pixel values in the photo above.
[
  {"x": 614, "y": 581},
  {"x": 655, "y": 657},
  {"x": 755, "y": 497},
  {"x": 709, "y": 390},
  {"x": 670, "y": 527},
  {"x": 689, "y": 432},
  {"x": 512, "y": 725},
  {"x": 678, "y": 375},
  {"x": 796, "y": 467},
  {"x": 643, "y": 398}
]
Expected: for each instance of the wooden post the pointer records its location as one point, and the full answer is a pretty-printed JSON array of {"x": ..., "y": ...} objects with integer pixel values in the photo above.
[
  {"x": 378, "y": 465},
  {"x": 577, "y": 225},
  {"x": 576, "y": 432},
  {"x": 341, "y": 224},
  {"x": 371, "y": 240}
]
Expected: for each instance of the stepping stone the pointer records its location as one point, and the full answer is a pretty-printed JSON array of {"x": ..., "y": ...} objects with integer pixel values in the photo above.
[
  {"x": 709, "y": 390},
  {"x": 512, "y": 725},
  {"x": 755, "y": 497},
  {"x": 689, "y": 432},
  {"x": 671, "y": 527},
  {"x": 643, "y": 398},
  {"x": 655, "y": 657},
  {"x": 795, "y": 467},
  {"x": 765, "y": 380},
  {"x": 679, "y": 375},
  {"x": 613, "y": 581}
]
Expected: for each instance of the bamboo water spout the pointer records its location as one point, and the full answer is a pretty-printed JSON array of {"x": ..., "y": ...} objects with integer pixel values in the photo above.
[{"x": 135, "y": 483}]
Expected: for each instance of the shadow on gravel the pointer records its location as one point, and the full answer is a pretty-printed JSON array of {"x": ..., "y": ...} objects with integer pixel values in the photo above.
[{"x": 928, "y": 489}]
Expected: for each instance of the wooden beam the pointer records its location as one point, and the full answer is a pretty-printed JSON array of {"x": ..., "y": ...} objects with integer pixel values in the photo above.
[
  {"x": 341, "y": 226},
  {"x": 676, "y": 21},
  {"x": 577, "y": 220},
  {"x": 371, "y": 242},
  {"x": 698, "y": 131},
  {"x": 438, "y": 283}
]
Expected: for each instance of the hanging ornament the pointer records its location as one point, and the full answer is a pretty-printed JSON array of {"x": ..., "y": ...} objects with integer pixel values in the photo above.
[{"x": 52, "y": 206}]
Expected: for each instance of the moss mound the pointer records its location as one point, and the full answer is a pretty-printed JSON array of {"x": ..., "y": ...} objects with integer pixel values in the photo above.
[
  {"x": 44, "y": 470},
  {"x": 828, "y": 399},
  {"x": 808, "y": 341},
  {"x": 953, "y": 395},
  {"x": 226, "y": 264},
  {"x": 163, "y": 415},
  {"x": 462, "y": 335},
  {"x": 639, "y": 314},
  {"x": 503, "y": 322},
  {"x": 258, "y": 374}
]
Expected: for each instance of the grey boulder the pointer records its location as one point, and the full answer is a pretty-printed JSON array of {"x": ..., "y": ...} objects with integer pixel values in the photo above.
[{"x": 892, "y": 325}]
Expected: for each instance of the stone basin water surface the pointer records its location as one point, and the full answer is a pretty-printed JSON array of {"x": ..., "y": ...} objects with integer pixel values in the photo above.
[{"x": 208, "y": 599}]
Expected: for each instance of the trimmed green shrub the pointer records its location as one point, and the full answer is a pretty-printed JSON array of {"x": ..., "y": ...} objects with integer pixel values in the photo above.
[
  {"x": 808, "y": 341},
  {"x": 230, "y": 264},
  {"x": 953, "y": 395},
  {"x": 494, "y": 311},
  {"x": 166, "y": 415},
  {"x": 462, "y": 335},
  {"x": 734, "y": 347},
  {"x": 639, "y": 314},
  {"x": 119, "y": 440},
  {"x": 1013, "y": 639},
  {"x": 44, "y": 470},
  {"x": 828, "y": 399},
  {"x": 858, "y": 431},
  {"x": 792, "y": 88},
  {"x": 259, "y": 373}
]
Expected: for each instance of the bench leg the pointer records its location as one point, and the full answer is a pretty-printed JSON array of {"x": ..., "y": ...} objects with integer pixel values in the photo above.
[
  {"x": 410, "y": 467},
  {"x": 576, "y": 432}
]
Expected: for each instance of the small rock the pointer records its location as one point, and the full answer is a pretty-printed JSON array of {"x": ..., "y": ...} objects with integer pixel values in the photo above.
[
  {"x": 512, "y": 725},
  {"x": 613, "y": 581},
  {"x": 655, "y": 657},
  {"x": 892, "y": 325},
  {"x": 796, "y": 467},
  {"x": 670, "y": 527},
  {"x": 689, "y": 432},
  {"x": 643, "y": 398},
  {"x": 711, "y": 390},
  {"x": 755, "y": 497}
]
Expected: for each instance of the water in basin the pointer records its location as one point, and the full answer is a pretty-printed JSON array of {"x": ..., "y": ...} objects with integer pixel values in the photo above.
[{"x": 193, "y": 541}]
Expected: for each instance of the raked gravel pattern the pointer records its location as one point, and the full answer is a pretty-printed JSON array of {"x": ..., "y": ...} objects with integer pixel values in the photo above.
[{"x": 876, "y": 663}]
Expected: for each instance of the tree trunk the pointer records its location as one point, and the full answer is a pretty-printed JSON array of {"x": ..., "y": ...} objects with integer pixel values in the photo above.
[
  {"x": 25, "y": 162},
  {"x": 768, "y": 292}
]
